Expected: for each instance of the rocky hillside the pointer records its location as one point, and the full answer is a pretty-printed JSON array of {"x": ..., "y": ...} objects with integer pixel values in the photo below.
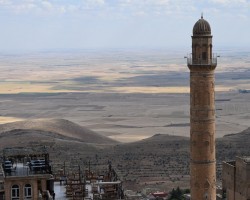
[{"x": 161, "y": 157}]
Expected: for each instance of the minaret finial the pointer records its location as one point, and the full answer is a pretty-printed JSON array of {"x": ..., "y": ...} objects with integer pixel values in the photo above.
[{"x": 202, "y": 15}]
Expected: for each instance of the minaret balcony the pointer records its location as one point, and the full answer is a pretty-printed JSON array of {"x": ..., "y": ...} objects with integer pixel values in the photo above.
[{"x": 212, "y": 61}]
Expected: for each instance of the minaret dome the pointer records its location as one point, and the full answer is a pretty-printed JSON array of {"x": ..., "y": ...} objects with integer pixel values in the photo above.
[{"x": 201, "y": 27}]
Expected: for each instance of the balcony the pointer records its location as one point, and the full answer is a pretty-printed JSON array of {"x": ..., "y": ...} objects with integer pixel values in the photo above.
[{"x": 212, "y": 61}]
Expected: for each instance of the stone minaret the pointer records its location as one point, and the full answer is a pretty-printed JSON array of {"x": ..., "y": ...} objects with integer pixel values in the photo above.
[{"x": 202, "y": 113}]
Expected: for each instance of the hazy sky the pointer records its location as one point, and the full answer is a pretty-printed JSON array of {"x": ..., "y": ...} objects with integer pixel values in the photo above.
[{"x": 83, "y": 24}]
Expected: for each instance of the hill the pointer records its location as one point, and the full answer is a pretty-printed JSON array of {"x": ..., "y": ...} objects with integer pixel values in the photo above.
[
  {"x": 55, "y": 128},
  {"x": 161, "y": 160},
  {"x": 64, "y": 140},
  {"x": 233, "y": 145}
]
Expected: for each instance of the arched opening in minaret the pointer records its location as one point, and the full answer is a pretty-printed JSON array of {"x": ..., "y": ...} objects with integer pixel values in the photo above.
[
  {"x": 210, "y": 50},
  {"x": 204, "y": 55},
  {"x": 196, "y": 53},
  {"x": 204, "y": 52}
]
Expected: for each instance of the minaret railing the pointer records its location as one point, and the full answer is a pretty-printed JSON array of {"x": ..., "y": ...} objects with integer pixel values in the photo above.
[{"x": 211, "y": 61}]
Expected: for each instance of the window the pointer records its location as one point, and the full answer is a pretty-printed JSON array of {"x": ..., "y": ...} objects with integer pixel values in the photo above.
[
  {"x": 15, "y": 192},
  {"x": 27, "y": 191},
  {"x": 204, "y": 55},
  {"x": 1, "y": 186},
  {"x": 196, "y": 98}
]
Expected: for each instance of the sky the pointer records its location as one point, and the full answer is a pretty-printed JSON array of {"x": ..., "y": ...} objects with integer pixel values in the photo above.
[{"x": 100, "y": 24}]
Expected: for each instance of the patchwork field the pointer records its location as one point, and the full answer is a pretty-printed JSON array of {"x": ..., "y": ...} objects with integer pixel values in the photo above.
[
  {"x": 125, "y": 95},
  {"x": 138, "y": 98}
]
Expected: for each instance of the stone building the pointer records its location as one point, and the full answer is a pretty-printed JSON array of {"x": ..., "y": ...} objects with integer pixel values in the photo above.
[
  {"x": 202, "y": 64},
  {"x": 26, "y": 174},
  {"x": 236, "y": 179}
]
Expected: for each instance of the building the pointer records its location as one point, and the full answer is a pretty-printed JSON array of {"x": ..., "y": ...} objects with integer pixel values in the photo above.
[
  {"x": 93, "y": 185},
  {"x": 160, "y": 195},
  {"x": 202, "y": 64},
  {"x": 26, "y": 174},
  {"x": 1, "y": 183},
  {"x": 236, "y": 179},
  {"x": 187, "y": 196}
]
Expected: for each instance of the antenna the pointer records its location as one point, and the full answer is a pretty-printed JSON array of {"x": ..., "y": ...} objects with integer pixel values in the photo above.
[{"x": 202, "y": 15}]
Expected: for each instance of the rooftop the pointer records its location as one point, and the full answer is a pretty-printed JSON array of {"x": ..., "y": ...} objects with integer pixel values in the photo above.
[
  {"x": 24, "y": 170},
  {"x": 22, "y": 162}
]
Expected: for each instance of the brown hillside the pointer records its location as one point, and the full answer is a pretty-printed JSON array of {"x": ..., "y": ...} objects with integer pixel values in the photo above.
[
  {"x": 60, "y": 147},
  {"x": 162, "y": 159},
  {"x": 60, "y": 127}
]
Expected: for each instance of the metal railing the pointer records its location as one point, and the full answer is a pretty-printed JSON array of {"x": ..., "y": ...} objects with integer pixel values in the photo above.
[
  {"x": 25, "y": 171},
  {"x": 212, "y": 61},
  {"x": 199, "y": 61}
]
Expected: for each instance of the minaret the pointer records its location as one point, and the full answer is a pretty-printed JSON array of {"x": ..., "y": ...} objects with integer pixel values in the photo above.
[{"x": 202, "y": 64}]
